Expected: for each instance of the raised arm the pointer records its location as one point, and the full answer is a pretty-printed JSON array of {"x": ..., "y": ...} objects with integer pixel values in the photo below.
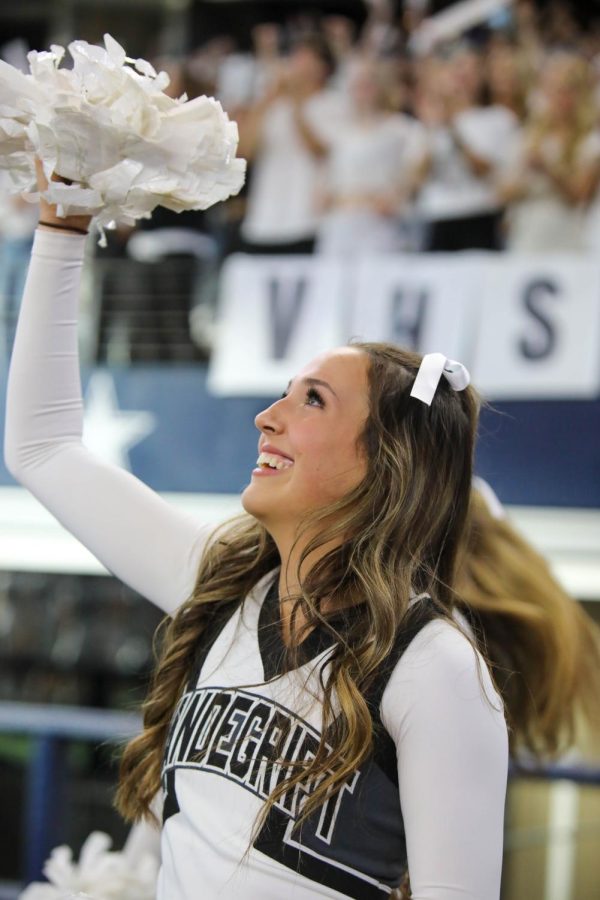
[
  {"x": 448, "y": 726},
  {"x": 129, "y": 528}
]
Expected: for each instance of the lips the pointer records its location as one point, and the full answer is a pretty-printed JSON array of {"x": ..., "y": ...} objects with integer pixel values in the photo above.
[
  {"x": 274, "y": 451},
  {"x": 271, "y": 460}
]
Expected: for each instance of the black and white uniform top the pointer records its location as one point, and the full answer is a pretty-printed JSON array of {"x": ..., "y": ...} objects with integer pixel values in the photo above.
[{"x": 430, "y": 796}]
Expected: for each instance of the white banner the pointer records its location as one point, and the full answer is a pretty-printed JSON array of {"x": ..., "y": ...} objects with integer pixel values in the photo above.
[
  {"x": 539, "y": 335},
  {"x": 526, "y": 327}
]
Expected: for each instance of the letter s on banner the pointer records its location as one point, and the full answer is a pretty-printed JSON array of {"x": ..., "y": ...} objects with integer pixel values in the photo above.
[
  {"x": 536, "y": 300},
  {"x": 540, "y": 328}
]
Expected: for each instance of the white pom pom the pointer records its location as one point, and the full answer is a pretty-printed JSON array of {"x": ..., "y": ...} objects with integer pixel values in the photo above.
[
  {"x": 108, "y": 127},
  {"x": 99, "y": 875}
]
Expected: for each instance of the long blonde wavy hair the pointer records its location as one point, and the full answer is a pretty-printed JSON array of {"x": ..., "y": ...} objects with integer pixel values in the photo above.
[
  {"x": 543, "y": 648},
  {"x": 572, "y": 72},
  {"x": 396, "y": 533}
]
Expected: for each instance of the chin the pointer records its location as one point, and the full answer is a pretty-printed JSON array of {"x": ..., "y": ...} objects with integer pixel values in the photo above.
[
  {"x": 251, "y": 503},
  {"x": 264, "y": 509}
]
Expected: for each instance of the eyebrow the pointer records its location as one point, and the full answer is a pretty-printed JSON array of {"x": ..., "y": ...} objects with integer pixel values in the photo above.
[{"x": 315, "y": 381}]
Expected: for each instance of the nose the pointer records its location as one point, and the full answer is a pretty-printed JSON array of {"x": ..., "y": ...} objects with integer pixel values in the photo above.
[{"x": 269, "y": 420}]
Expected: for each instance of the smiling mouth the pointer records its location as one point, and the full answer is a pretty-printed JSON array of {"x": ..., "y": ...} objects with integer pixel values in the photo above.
[{"x": 273, "y": 461}]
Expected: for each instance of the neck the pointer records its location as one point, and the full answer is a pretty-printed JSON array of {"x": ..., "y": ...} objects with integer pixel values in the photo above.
[
  {"x": 294, "y": 568},
  {"x": 291, "y": 577},
  {"x": 293, "y": 571}
]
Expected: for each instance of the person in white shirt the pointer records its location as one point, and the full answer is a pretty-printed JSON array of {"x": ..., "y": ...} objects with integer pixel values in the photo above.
[
  {"x": 550, "y": 166},
  {"x": 543, "y": 646},
  {"x": 318, "y": 723},
  {"x": 467, "y": 141},
  {"x": 286, "y": 136},
  {"x": 372, "y": 171}
]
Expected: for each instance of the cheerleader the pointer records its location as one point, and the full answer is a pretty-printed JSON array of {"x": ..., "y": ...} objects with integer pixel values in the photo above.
[{"x": 318, "y": 724}]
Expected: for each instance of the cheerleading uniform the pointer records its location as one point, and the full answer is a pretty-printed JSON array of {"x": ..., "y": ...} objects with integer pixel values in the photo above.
[{"x": 431, "y": 794}]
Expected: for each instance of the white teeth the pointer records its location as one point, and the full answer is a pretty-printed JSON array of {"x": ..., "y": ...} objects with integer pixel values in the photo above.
[{"x": 273, "y": 461}]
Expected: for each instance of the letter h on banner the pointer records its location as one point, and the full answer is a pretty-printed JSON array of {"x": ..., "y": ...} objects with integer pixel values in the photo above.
[{"x": 427, "y": 304}]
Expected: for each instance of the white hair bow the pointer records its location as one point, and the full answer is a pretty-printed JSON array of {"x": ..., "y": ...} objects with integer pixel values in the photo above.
[{"x": 433, "y": 366}]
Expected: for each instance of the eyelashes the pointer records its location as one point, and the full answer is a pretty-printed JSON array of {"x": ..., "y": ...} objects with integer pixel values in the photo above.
[{"x": 313, "y": 397}]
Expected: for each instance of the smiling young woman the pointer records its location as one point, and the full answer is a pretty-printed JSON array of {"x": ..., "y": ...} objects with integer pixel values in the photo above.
[{"x": 318, "y": 723}]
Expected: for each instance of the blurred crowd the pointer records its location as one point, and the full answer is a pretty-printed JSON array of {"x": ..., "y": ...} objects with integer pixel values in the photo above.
[
  {"x": 370, "y": 141},
  {"x": 374, "y": 139}
]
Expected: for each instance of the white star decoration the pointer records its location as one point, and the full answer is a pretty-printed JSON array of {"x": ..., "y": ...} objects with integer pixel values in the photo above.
[{"x": 108, "y": 431}]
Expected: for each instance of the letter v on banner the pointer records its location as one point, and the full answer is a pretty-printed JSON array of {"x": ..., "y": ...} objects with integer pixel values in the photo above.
[
  {"x": 275, "y": 314},
  {"x": 286, "y": 298}
]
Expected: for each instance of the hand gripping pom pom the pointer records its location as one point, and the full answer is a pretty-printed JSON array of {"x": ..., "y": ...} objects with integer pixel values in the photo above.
[{"x": 108, "y": 128}]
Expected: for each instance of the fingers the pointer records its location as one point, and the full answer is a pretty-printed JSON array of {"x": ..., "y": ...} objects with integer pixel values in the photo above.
[
  {"x": 48, "y": 213},
  {"x": 42, "y": 181}
]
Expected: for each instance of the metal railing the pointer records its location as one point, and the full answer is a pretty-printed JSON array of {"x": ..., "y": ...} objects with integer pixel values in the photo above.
[
  {"x": 138, "y": 310},
  {"x": 51, "y": 729}
]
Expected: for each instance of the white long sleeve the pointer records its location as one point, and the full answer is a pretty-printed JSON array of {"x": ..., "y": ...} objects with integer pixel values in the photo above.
[
  {"x": 447, "y": 722},
  {"x": 136, "y": 534}
]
